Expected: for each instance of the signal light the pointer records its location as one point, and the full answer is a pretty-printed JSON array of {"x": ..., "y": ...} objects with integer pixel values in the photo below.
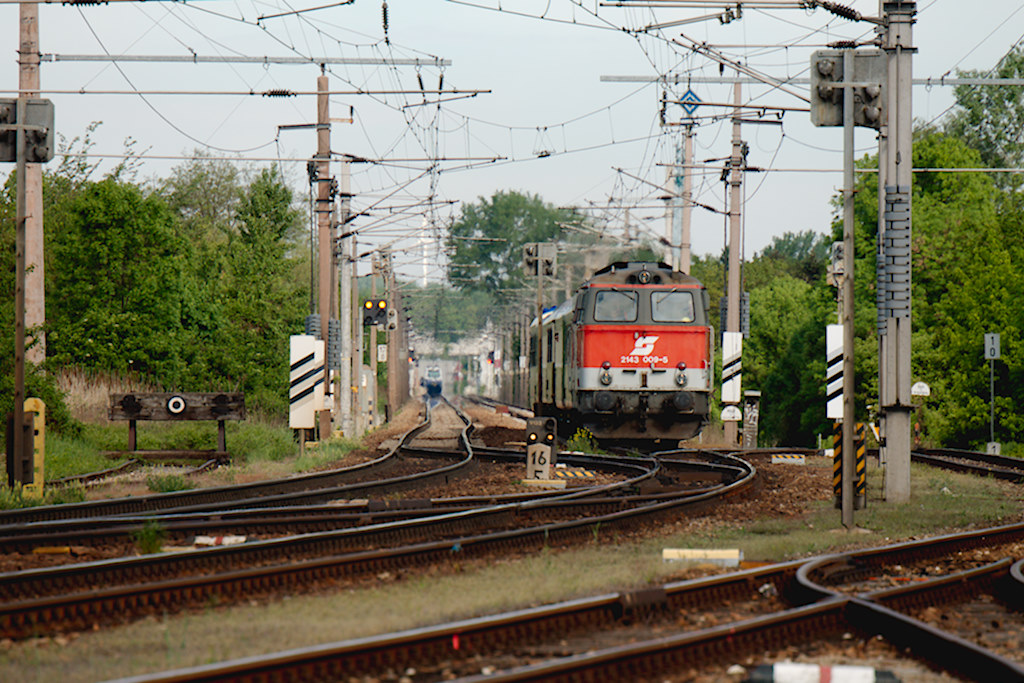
[{"x": 375, "y": 312}]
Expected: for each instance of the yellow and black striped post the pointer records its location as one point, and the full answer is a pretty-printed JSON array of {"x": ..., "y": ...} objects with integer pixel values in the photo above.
[
  {"x": 860, "y": 498},
  {"x": 837, "y": 463},
  {"x": 860, "y": 481}
]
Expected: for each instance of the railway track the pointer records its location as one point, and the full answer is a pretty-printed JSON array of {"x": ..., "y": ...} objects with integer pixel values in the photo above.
[
  {"x": 800, "y": 602},
  {"x": 785, "y": 605},
  {"x": 78, "y": 596},
  {"x": 983, "y": 464}
]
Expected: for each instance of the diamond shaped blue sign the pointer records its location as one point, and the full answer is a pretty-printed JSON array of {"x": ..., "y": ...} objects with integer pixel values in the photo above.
[{"x": 690, "y": 102}]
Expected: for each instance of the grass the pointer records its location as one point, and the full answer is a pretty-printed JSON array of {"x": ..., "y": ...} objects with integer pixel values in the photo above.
[
  {"x": 12, "y": 499},
  {"x": 166, "y": 483},
  {"x": 325, "y": 453},
  {"x": 150, "y": 538},
  {"x": 940, "y": 502}
]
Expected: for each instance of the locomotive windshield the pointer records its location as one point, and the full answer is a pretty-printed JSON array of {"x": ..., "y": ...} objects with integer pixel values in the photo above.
[
  {"x": 615, "y": 306},
  {"x": 672, "y": 307}
]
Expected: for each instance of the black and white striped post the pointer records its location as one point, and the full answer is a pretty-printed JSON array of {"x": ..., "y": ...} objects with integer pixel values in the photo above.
[
  {"x": 306, "y": 383},
  {"x": 732, "y": 366}
]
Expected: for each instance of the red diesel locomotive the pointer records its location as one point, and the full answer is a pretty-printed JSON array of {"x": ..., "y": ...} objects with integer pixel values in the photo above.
[{"x": 629, "y": 355}]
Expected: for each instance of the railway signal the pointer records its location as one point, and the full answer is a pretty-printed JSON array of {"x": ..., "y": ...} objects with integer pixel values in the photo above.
[
  {"x": 530, "y": 258},
  {"x": 830, "y": 83},
  {"x": 375, "y": 312},
  {"x": 540, "y": 447}
]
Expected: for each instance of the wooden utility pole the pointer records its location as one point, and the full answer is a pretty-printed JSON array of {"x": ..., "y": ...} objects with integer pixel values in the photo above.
[
  {"x": 325, "y": 265},
  {"x": 736, "y": 162},
  {"x": 28, "y": 85}
]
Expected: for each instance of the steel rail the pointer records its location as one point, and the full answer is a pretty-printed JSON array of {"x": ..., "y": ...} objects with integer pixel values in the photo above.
[
  {"x": 482, "y": 636},
  {"x": 311, "y": 518},
  {"x": 868, "y": 614},
  {"x": 184, "y": 499},
  {"x": 150, "y": 567},
  {"x": 833, "y": 569},
  {"x": 830, "y": 616},
  {"x": 295, "y": 520},
  {"x": 970, "y": 462},
  {"x": 876, "y": 612},
  {"x": 28, "y": 615}
]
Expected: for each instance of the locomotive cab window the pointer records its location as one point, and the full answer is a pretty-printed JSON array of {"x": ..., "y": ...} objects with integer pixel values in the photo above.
[
  {"x": 672, "y": 307},
  {"x": 615, "y": 306}
]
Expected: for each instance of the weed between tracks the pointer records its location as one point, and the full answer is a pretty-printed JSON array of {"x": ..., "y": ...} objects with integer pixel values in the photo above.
[{"x": 150, "y": 538}]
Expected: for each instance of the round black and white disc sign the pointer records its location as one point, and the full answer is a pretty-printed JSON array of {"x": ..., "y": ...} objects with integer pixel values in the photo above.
[{"x": 176, "y": 405}]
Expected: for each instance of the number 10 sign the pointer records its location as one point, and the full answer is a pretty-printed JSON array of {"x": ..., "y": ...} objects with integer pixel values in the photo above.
[{"x": 992, "y": 346}]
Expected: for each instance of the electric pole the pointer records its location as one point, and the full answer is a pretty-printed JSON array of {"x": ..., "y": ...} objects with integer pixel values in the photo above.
[
  {"x": 345, "y": 379},
  {"x": 895, "y": 232},
  {"x": 681, "y": 202},
  {"x": 736, "y": 163},
  {"x": 324, "y": 242},
  {"x": 374, "y": 334},
  {"x": 849, "y": 456},
  {"x": 28, "y": 85},
  {"x": 684, "y": 245},
  {"x": 394, "y": 391},
  {"x": 355, "y": 359}
]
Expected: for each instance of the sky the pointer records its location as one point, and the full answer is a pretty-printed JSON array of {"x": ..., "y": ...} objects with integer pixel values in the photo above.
[{"x": 542, "y": 120}]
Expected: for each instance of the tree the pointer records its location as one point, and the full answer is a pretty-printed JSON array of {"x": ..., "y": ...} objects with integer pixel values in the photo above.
[
  {"x": 448, "y": 314},
  {"x": 261, "y": 297},
  {"x": 990, "y": 118},
  {"x": 485, "y": 245},
  {"x": 204, "y": 193},
  {"x": 115, "y": 297},
  {"x": 801, "y": 255}
]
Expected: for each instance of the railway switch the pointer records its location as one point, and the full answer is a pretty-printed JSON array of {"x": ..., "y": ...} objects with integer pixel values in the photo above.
[{"x": 540, "y": 447}]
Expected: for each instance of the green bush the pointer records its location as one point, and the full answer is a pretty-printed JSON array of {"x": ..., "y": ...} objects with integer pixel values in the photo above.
[
  {"x": 583, "y": 441},
  {"x": 166, "y": 483},
  {"x": 150, "y": 538}
]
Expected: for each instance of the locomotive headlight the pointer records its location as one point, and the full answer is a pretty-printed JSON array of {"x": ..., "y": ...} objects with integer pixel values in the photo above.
[
  {"x": 681, "y": 374},
  {"x": 606, "y": 377}
]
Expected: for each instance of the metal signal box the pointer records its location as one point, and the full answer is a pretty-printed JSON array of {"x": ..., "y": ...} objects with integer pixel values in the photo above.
[
  {"x": 540, "y": 447},
  {"x": 867, "y": 84}
]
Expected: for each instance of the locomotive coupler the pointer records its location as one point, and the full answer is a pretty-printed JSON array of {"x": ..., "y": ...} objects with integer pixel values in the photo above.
[{"x": 642, "y": 413}]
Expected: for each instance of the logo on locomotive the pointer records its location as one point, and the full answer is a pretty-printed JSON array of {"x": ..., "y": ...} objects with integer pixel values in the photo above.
[
  {"x": 642, "y": 351},
  {"x": 644, "y": 346}
]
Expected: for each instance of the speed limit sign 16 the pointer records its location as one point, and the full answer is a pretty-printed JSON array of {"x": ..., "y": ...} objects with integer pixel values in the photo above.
[{"x": 992, "y": 346}]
